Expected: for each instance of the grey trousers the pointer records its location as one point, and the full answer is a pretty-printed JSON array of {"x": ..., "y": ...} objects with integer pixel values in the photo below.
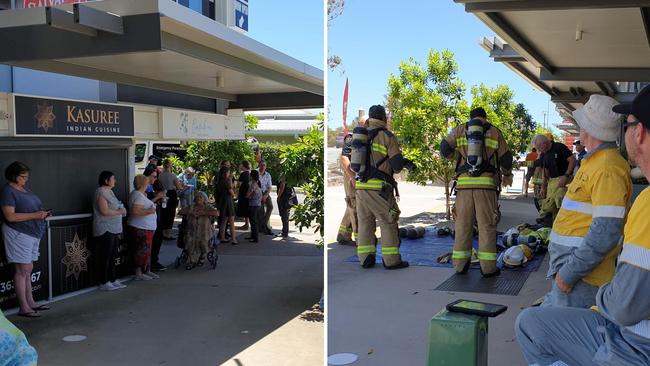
[
  {"x": 561, "y": 336},
  {"x": 583, "y": 295}
]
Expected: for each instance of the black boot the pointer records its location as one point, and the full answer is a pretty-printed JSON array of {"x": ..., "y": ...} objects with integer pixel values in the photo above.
[
  {"x": 343, "y": 241},
  {"x": 493, "y": 274},
  {"x": 402, "y": 264},
  {"x": 369, "y": 262},
  {"x": 465, "y": 268}
]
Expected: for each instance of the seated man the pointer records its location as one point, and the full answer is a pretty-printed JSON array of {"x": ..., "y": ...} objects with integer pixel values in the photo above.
[
  {"x": 585, "y": 236},
  {"x": 617, "y": 331}
]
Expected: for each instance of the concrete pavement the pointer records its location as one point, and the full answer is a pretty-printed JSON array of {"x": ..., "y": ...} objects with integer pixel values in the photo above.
[
  {"x": 256, "y": 308},
  {"x": 383, "y": 316}
]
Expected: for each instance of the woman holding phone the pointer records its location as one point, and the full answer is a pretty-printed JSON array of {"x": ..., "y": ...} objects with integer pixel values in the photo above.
[{"x": 24, "y": 226}]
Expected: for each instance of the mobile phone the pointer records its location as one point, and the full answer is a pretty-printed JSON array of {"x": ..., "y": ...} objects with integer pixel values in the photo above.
[
  {"x": 48, "y": 210},
  {"x": 476, "y": 308}
]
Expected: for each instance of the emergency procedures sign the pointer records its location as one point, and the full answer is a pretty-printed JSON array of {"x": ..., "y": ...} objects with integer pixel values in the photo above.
[{"x": 35, "y": 116}]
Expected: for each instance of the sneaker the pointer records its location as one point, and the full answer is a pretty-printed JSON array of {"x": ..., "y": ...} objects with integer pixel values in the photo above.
[
  {"x": 152, "y": 275},
  {"x": 107, "y": 287},
  {"x": 117, "y": 284},
  {"x": 157, "y": 267},
  {"x": 142, "y": 277}
]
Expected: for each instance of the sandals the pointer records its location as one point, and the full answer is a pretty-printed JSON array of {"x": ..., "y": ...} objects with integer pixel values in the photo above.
[
  {"x": 189, "y": 267},
  {"x": 41, "y": 307},
  {"x": 31, "y": 314}
]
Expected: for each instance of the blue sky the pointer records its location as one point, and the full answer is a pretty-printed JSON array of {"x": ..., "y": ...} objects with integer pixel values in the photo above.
[
  {"x": 294, "y": 27},
  {"x": 372, "y": 37}
]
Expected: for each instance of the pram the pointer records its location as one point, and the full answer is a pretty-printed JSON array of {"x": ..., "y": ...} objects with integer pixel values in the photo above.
[{"x": 211, "y": 255}]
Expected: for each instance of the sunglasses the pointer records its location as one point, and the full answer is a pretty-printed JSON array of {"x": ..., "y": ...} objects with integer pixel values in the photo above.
[{"x": 628, "y": 124}]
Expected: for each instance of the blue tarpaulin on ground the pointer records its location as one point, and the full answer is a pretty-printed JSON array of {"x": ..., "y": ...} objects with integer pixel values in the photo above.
[{"x": 426, "y": 250}]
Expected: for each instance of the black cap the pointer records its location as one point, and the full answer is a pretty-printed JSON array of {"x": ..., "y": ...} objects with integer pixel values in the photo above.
[
  {"x": 577, "y": 142},
  {"x": 640, "y": 107},
  {"x": 153, "y": 157},
  {"x": 477, "y": 112},
  {"x": 377, "y": 112}
]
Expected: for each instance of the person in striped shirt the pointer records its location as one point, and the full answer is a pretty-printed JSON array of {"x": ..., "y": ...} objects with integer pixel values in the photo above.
[{"x": 617, "y": 330}]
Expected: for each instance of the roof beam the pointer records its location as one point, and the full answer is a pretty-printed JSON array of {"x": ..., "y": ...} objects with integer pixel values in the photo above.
[
  {"x": 506, "y": 54},
  {"x": 645, "y": 16},
  {"x": 596, "y": 74},
  {"x": 530, "y": 77},
  {"x": 533, "y": 5},
  {"x": 605, "y": 88},
  {"x": 516, "y": 40}
]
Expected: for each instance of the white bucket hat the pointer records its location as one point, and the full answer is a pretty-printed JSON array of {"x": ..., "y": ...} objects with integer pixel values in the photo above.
[{"x": 597, "y": 119}]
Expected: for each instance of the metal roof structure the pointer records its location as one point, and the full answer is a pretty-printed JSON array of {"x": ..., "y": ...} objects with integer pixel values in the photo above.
[
  {"x": 158, "y": 44},
  {"x": 571, "y": 48}
]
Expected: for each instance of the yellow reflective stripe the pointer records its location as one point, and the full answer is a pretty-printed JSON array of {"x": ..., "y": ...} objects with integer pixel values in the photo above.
[
  {"x": 487, "y": 256},
  {"x": 475, "y": 181},
  {"x": 530, "y": 163},
  {"x": 373, "y": 183},
  {"x": 344, "y": 229},
  {"x": 492, "y": 143},
  {"x": 379, "y": 149},
  {"x": 461, "y": 254},
  {"x": 461, "y": 141},
  {"x": 365, "y": 249},
  {"x": 390, "y": 250}
]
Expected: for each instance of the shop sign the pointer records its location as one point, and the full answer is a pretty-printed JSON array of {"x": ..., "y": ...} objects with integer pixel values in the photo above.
[
  {"x": 185, "y": 125},
  {"x": 48, "y": 117},
  {"x": 42, "y": 3}
]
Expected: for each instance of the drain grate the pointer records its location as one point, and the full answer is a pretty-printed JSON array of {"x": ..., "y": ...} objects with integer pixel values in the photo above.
[{"x": 507, "y": 283}]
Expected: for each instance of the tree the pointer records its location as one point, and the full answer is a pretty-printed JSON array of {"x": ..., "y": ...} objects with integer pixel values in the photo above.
[
  {"x": 303, "y": 166},
  {"x": 334, "y": 9},
  {"x": 425, "y": 102}
]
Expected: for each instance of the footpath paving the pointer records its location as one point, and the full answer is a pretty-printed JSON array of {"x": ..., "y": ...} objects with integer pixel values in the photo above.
[
  {"x": 255, "y": 308},
  {"x": 383, "y": 316}
]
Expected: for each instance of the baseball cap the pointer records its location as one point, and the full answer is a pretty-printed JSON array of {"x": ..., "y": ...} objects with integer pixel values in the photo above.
[
  {"x": 577, "y": 142},
  {"x": 640, "y": 107}
]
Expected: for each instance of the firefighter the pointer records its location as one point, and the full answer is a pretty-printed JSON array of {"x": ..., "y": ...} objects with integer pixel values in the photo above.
[
  {"x": 348, "y": 229},
  {"x": 530, "y": 169},
  {"x": 482, "y": 156},
  {"x": 375, "y": 196},
  {"x": 558, "y": 163}
]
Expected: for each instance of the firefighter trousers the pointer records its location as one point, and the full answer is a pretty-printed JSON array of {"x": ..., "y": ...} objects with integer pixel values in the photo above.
[
  {"x": 349, "y": 227},
  {"x": 480, "y": 206},
  {"x": 553, "y": 201},
  {"x": 373, "y": 209}
]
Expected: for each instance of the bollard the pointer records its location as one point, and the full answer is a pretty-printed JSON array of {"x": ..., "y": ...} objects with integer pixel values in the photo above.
[{"x": 457, "y": 339}]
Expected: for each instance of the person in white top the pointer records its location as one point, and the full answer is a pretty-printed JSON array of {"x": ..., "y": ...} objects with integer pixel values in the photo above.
[
  {"x": 142, "y": 225},
  {"x": 267, "y": 203}
]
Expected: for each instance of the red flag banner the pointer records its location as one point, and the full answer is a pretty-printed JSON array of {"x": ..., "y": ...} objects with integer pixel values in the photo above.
[
  {"x": 42, "y": 3},
  {"x": 345, "y": 108}
]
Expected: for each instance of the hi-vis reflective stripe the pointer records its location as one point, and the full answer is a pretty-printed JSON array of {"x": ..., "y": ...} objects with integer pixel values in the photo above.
[
  {"x": 461, "y": 141},
  {"x": 491, "y": 143},
  {"x": 344, "y": 229},
  {"x": 530, "y": 163},
  {"x": 461, "y": 254},
  {"x": 596, "y": 211},
  {"x": 379, "y": 149},
  {"x": 365, "y": 249},
  {"x": 609, "y": 211},
  {"x": 636, "y": 255},
  {"x": 487, "y": 256},
  {"x": 475, "y": 181},
  {"x": 567, "y": 241},
  {"x": 389, "y": 250},
  {"x": 373, "y": 183}
]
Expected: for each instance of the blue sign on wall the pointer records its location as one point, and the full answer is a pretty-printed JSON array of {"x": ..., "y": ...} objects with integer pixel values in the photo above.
[{"x": 241, "y": 14}]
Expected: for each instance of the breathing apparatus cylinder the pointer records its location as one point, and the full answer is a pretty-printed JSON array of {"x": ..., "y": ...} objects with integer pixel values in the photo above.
[
  {"x": 359, "y": 150},
  {"x": 517, "y": 239},
  {"x": 475, "y": 135}
]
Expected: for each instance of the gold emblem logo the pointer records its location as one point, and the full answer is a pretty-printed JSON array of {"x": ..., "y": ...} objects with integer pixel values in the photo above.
[
  {"x": 45, "y": 116},
  {"x": 76, "y": 256}
]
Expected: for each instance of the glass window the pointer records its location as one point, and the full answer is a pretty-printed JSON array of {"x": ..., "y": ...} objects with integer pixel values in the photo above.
[{"x": 140, "y": 150}]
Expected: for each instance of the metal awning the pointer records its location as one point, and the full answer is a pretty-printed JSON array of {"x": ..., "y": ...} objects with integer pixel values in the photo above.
[
  {"x": 571, "y": 48},
  {"x": 158, "y": 44}
]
